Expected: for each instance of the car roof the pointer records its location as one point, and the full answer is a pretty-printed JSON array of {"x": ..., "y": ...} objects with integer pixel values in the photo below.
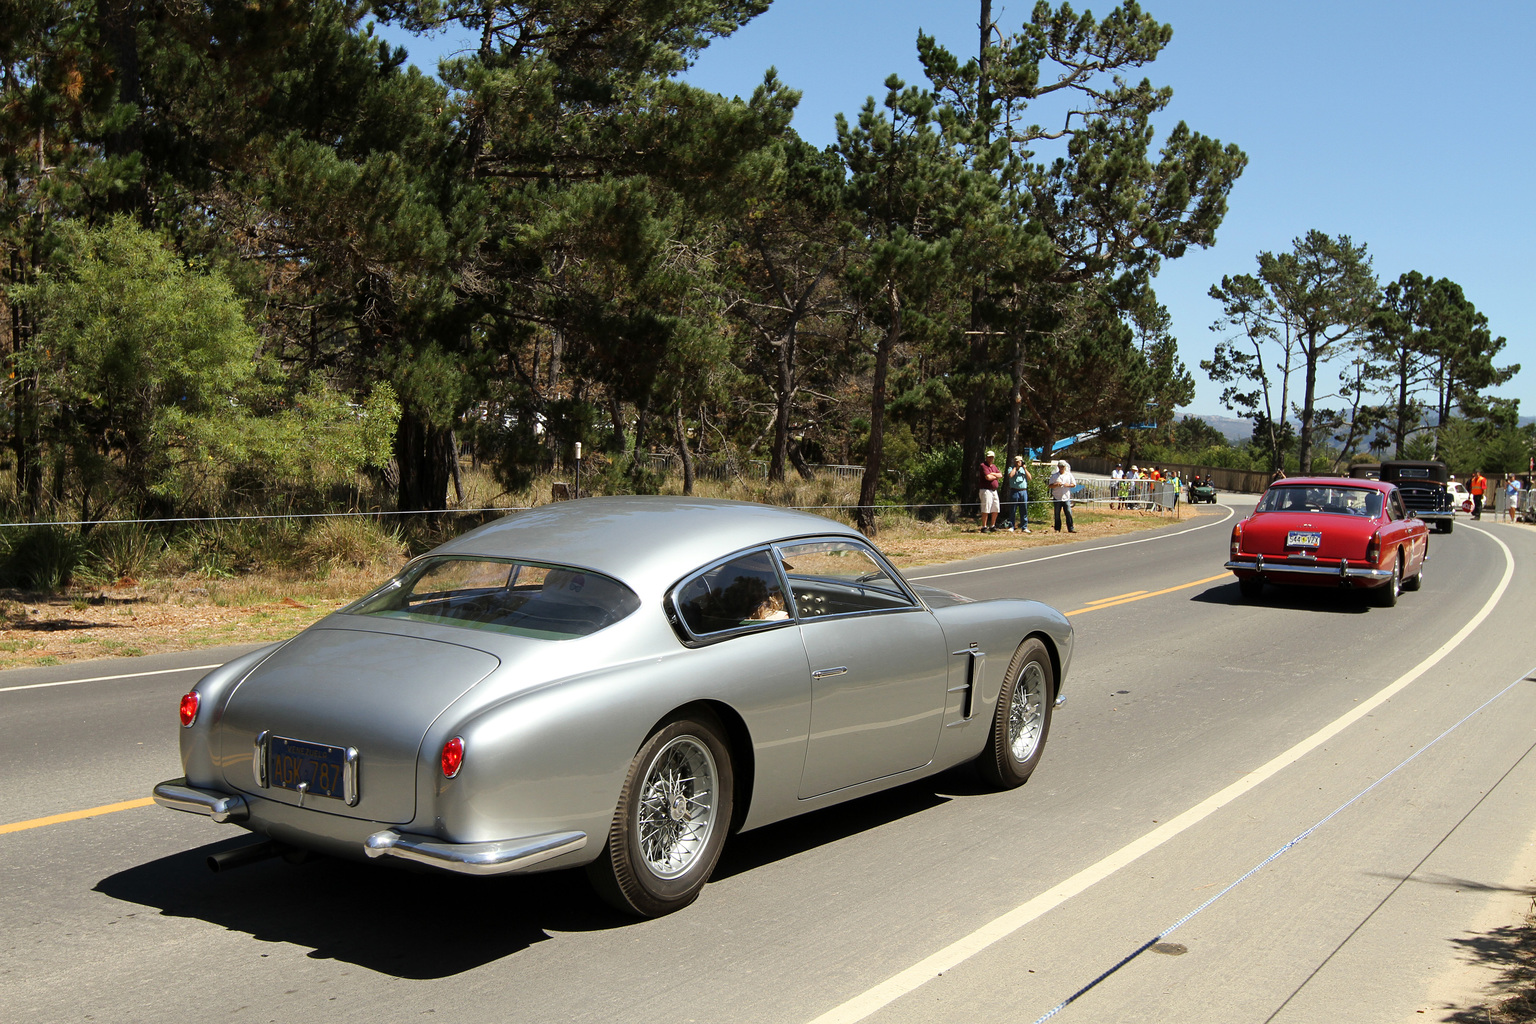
[
  {"x": 1335, "y": 481},
  {"x": 646, "y": 541}
]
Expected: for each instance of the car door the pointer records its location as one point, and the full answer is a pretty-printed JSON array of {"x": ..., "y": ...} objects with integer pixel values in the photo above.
[{"x": 878, "y": 663}]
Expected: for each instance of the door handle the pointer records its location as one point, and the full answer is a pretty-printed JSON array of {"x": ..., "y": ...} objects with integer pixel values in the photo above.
[{"x": 823, "y": 673}]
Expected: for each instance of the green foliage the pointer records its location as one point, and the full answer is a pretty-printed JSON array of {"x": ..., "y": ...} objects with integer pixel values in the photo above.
[
  {"x": 121, "y": 551},
  {"x": 44, "y": 558},
  {"x": 933, "y": 479},
  {"x": 1301, "y": 309}
]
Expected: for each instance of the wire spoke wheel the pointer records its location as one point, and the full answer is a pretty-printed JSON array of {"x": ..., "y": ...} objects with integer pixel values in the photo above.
[
  {"x": 1023, "y": 718},
  {"x": 1026, "y": 714},
  {"x": 675, "y": 814},
  {"x": 671, "y": 821}
]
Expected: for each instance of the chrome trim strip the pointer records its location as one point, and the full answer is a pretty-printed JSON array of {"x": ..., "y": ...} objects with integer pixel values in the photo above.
[
  {"x": 221, "y": 807},
  {"x": 1345, "y": 571},
  {"x": 259, "y": 758},
  {"x": 824, "y": 673},
  {"x": 499, "y": 857},
  {"x": 349, "y": 791}
]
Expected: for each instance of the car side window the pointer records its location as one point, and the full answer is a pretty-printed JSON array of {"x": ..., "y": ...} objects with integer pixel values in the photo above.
[
  {"x": 740, "y": 592},
  {"x": 1396, "y": 505},
  {"x": 839, "y": 577}
]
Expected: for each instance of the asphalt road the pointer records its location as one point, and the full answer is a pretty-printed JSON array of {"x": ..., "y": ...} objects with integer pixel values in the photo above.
[{"x": 1202, "y": 738}]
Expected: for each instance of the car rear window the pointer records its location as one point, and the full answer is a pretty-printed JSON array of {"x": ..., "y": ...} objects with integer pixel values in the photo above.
[
  {"x": 1358, "y": 501},
  {"x": 547, "y": 602}
]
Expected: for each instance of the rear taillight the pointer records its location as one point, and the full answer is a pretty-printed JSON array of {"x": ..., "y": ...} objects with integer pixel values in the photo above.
[
  {"x": 189, "y": 705},
  {"x": 1237, "y": 539},
  {"x": 453, "y": 757},
  {"x": 1373, "y": 549}
]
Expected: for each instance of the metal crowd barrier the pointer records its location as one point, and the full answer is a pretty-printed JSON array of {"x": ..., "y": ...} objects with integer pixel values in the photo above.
[{"x": 1142, "y": 495}]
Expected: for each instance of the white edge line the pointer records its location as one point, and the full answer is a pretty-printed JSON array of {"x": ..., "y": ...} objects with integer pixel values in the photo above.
[
  {"x": 103, "y": 679},
  {"x": 1077, "y": 551},
  {"x": 925, "y": 970}
]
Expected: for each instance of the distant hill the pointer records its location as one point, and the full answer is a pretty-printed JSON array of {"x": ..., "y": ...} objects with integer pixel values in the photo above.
[
  {"x": 1235, "y": 430},
  {"x": 1239, "y": 431}
]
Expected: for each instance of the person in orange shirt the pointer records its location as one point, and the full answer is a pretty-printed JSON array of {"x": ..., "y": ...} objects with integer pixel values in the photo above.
[{"x": 1477, "y": 487}]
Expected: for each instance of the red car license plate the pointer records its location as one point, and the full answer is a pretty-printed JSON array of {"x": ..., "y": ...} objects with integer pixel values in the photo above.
[
  {"x": 321, "y": 766},
  {"x": 1303, "y": 539}
]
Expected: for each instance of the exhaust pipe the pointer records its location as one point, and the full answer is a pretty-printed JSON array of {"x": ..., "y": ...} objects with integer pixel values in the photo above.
[{"x": 226, "y": 860}]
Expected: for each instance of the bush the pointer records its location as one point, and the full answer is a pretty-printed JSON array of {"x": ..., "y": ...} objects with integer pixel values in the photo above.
[
  {"x": 123, "y": 551},
  {"x": 932, "y": 480},
  {"x": 42, "y": 558},
  {"x": 357, "y": 542}
]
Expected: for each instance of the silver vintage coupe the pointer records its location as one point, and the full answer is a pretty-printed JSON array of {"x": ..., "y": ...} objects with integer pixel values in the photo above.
[{"x": 616, "y": 682}]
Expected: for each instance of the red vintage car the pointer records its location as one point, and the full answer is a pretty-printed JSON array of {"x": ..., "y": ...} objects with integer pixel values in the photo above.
[{"x": 1331, "y": 532}]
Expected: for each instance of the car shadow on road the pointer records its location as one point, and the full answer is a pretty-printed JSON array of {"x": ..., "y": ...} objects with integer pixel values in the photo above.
[
  {"x": 422, "y": 925},
  {"x": 1327, "y": 600},
  {"x": 761, "y": 846},
  {"x": 399, "y": 922}
]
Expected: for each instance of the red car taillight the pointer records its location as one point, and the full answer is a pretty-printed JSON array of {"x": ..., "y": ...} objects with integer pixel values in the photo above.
[
  {"x": 189, "y": 705},
  {"x": 1373, "y": 549},
  {"x": 453, "y": 757},
  {"x": 1237, "y": 539}
]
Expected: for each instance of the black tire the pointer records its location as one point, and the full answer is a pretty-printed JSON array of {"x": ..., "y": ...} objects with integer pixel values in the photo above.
[
  {"x": 660, "y": 849},
  {"x": 1446, "y": 526},
  {"x": 1022, "y": 720},
  {"x": 1414, "y": 582},
  {"x": 1251, "y": 587},
  {"x": 1385, "y": 596}
]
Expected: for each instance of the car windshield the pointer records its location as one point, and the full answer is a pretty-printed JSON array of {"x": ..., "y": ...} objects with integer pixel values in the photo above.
[
  {"x": 1340, "y": 500},
  {"x": 547, "y": 602}
]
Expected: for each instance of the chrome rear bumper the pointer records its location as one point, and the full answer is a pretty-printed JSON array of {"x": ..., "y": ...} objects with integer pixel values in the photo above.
[
  {"x": 494, "y": 858},
  {"x": 1343, "y": 572},
  {"x": 178, "y": 796}
]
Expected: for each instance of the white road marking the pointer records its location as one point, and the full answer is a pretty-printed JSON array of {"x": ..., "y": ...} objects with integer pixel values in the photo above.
[
  {"x": 867, "y": 1003},
  {"x": 1077, "y": 551},
  {"x": 103, "y": 679}
]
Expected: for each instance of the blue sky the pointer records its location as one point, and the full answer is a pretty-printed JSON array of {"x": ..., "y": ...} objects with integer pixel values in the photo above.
[{"x": 1408, "y": 126}]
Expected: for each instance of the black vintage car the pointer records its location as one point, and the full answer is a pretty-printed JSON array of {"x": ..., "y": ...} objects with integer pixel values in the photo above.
[{"x": 1425, "y": 490}]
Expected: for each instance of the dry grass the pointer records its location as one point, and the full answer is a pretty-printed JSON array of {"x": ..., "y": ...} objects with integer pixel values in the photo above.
[{"x": 338, "y": 562}]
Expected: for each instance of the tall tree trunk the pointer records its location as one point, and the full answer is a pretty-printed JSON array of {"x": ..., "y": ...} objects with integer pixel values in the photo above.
[
  {"x": 876, "y": 450},
  {"x": 1307, "y": 402},
  {"x": 458, "y": 475},
  {"x": 1015, "y": 407},
  {"x": 119, "y": 23},
  {"x": 425, "y": 454},
  {"x": 683, "y": 453},
  {"x": 784, "y": 402},
  {"x": 616, "y": 417}
]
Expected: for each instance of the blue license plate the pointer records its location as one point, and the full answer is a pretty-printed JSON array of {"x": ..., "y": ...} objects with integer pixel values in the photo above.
[
  {"x": 1303, "y": 539},
  {"x": 319, "y": 767}
]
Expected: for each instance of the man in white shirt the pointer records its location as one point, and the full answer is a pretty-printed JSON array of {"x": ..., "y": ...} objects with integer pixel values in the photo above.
[{"x": 1061, "y": 483}]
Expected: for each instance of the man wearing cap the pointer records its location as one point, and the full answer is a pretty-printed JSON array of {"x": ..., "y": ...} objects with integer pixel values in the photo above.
[
  {"x": 1061, "y": 483},
  {"x": 1017, "y": 482},
  {"x": 987, "y": 491}
]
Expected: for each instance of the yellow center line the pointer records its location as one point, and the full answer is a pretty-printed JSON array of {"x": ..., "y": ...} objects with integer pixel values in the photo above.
[
  {"x": 1112, "y": 601},
  {"x": 1118, "y": 597},
  {"x": 90, "y": 812}
]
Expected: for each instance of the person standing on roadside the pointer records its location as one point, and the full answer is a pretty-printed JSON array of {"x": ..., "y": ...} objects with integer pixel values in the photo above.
[
  {"x": 1477, "y": 487},
  {"x": 1512, "y": 496},
  {"x": 1016, "y": 480},
  {"x": 987, "y": 491},
  {"x": 1061, "y": 484}
]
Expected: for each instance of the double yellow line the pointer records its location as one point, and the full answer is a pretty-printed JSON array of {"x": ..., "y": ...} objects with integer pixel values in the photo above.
[{"x": 1142, "y": 595}]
